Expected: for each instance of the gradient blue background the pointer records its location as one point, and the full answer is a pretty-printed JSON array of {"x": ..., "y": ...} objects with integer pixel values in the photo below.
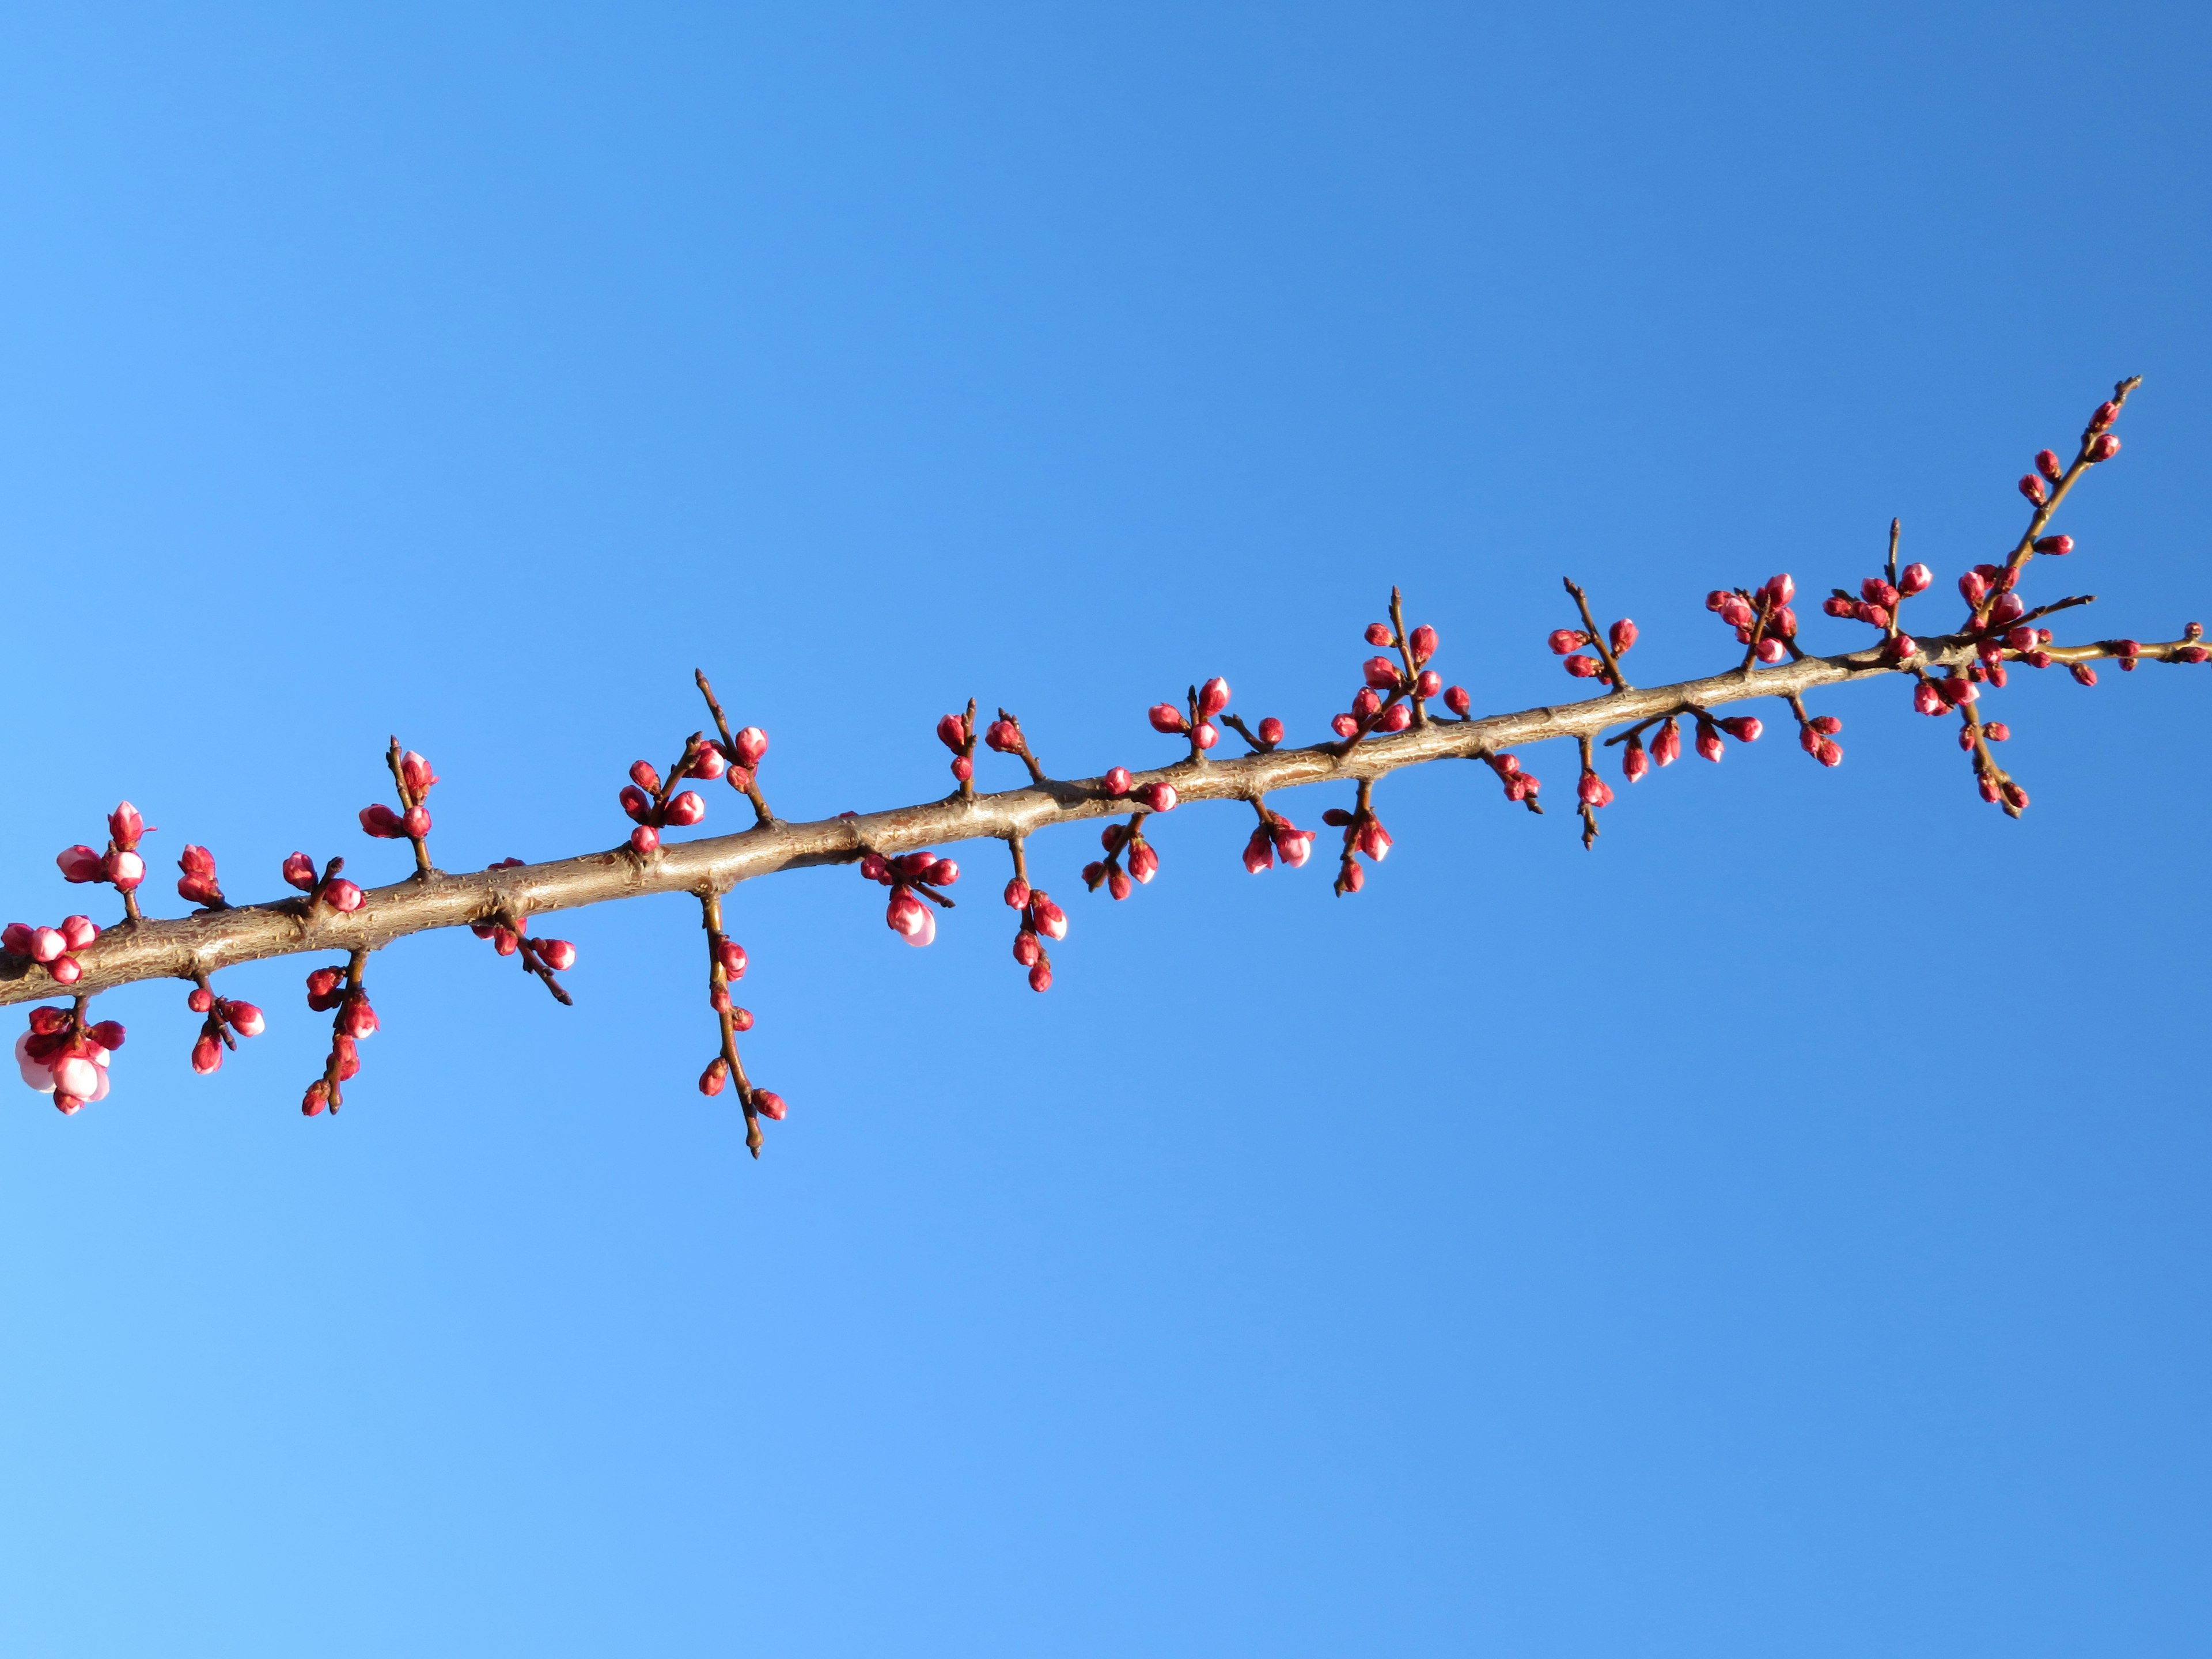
[{"x": 1783, "y": 1231}]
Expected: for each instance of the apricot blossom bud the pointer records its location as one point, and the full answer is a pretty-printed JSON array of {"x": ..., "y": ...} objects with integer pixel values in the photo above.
[
  {"x": 2034, "y": 489},
  {"x": 733, "y": 958},
  {"x": 1026, "y": 948},
  {"x": 416, "y": 822},
  {"x": 200, "y": 1000},
  {"x": 769, "y": 1104},
  {"x": 1143, "y": 862},
  {"x": 2102, "y": 448},
  {"x": 1213, "y": 696},
  {"x": 716, "y": 1074},
  {"x": 1621, "y": 636},
  {"x": 2047, "y": 463},
  {"x": 1259, "y": 852},
  {"x": 953, "y": 731},
  {"x": 1118, "y": 881},
  {"x": 1344, "y": 725},
  {"x": 1636, "y": 764},
  {"x": 417, "y": 774},
  {"x": 79, "y": 863},
  {"x": 1380, "y": 673},
  {"x": 300, "y": 872},
  {"x": 207, "y": 1055},
  {"x": 2056, "y": 546},
  {"x": 380, "y": 821},
  {"x": 124, "y": 870},
  {"x": 317, "y": 1097},
  {"x": 1157, "y": 798},
  {"x": 1167, "y": 718},
  {"x": 1373, "y": 839},
  {"x": 1396, "y": 718},
  {"x": 2085, "y": 674},
  {"x": 47, "y": 944},
  {"x": 1564, "y": 640},
  {"x": 1457, "y": 700},
  {"x": 643, "y": 774},
  {"x": 74, "y": 1074},
  {"x": 1207, "y": 734},
  {"x": 1429, "y": 684},
  {"x": 125, "y": 826},
  {"x": 77, "y": 932},
  {"x": 1040, "y": 976},
  {"x": 1271, "y": 730},
  {"x": 685, "y": 809},
  {"x": 1380, "y": 634},
  {"x": 1744, "y": 728},
  {"x": 1914, "y": 579},
  {"x": 1047, "y": 917},
  {"x": 1772, "y": 650},
  {"x": 645, "y": 841},
  {"x": 558, "y": 954},
  {"x": 1583, "y": 667},
  {"x": 357, "y": 1019},
  {"x": 1366, "y": 702},
  {"x": 1667, "y": 747},
  {"x": 1709, "y": 742},
  {"x": 1593, "y": 790},
  {"x": 751, "y": 744},
  {"x": 709, "y": 763}
]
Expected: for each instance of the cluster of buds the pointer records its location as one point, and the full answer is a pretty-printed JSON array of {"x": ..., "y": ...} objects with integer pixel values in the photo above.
[
  {"x": 653, "y": 807},
  {"x": 222, "y": 1018},
  {"x": 912, "y": 877},
  {"x": 1394, "y": 695},
  {"x": 53, "y": 949},
  {"x": 1816, "y": 733},
  {"x": 1156, "y": 797},
  {"x": 329, "y": 888},
  {"x": 958, "y": 733},
  {"x": 1363, "y": 833},
  {"x": 1591, "y": 792},
  {"x": 1521, "y": 786},
  {"x": 412, "y": 776},
  {"x": 1616, "y": 642},
  {"x": 61, "y": 1056},
  {"x": 1762, "y": 618},
  {"x": 735, "y": 757},
  {"x": 1205, "y": 703},
  {"x": 120, "y": 866},
  {"x": 510, "y": 937},
  {"x": 1042, "y": 920},
  {"x": 1880, "y": 599},
  {"x": 197, "y": 885},
  {"x": 725, "y": 965},
  {"x": 1122, "y": 841},
  {"x": 331, "y": 988},
  {"x": 1276, "y": 836}
]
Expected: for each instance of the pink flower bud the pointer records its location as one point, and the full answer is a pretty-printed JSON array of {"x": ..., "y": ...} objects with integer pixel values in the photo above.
[
  {"x": 67, "y": 971},
  {"x": 1259, "y": 852},
  {"x": 1344, "y": 725},
  {"x": 558, "y": 954},
  {"x": 1744, "y": 728},
  {"x": 1364, "y": 704},
  {"x": 913, "y": 865},
  {"x": 1780, "y": 590},
  {"x": 2048, "y": 465},
  {"x": 246, "y": 1019},
  {"x": 47, "y": 944},
  {"x": 1622, "y": 637},
  {"x": 1373, "y": 839},
  {"x": 1380, "y": 634},
  {"x": 77, "y": 932},
  {"x": 1772, "y": 650},
  {"x": 124, "y": 870},
  {"x": 1564, "y": 640},
  {"x": 417, "y": 822},
  {"x": 200, "y": 1000},
  {"x": 1351, "y": 877},
  {"x": 1429, "y": 684},
  {"x": 1118, "y": 881},
  {"x": 419, "y": 775},
  {"x": 2190, "y": 654},
  {"x": 1041, "y": 977},
  {"x": 906, "y": 914},
  {"x": 1271, "y": 731},
  {"x": 741, "y": 1019},
  {"x": 1667, "y": 747},
  {"x": 1017, "y": 894},
  {"x": 1873, "y": 614},
  {"x": 733, "y": 958},
  {"x": 1737, "y": 613},
  {"x": 1167, "y": 718},
  {"x": 341, "y": 896},
  {"x": 2100, "y": 449},
  {"x": 1213, "y": 696},
  {"x": 769, "y": 1104},
  {"x": 2105, "y": 415},
  {"x": 1117, "y": 781},
  {"x": 79, "y": 863},
  {"x": 1294, "y": 847},
  {"x": 1781, "y": 623},
  {"x": 1026, "y": 948},
  {"x": 1973, "y": 588},
  {"x": 1396, "y": 718},
  {"x": 1158, "y": 797},
  {"x": 357, "y": 1019},
  {"x": 15, "y": 940},
  {"x": 642, "y": 774},
  {"x": 380, "y": 821},
  {"x": 300, "y": 872},
  {"x": 645, "y": 841},
  {"x": 1583, "y": 667},
  {"x": 1047, "y": 917},
  {"x": 709, "y": 764},
  {"x": 2008, "y": 608},
  {"x": 1380, "y": 673},
  {"x": 1206, "y": 735},
  {"x": 1997, "y": 731},
  {"x": 1143, "y": 862},
  {"x": 1914, "y": 579},
  {"x": 1709, "y": 742},
  {"x": 2034, "y": 489},
  {"x": 317, "y": 1097},
  {"x": 1718, "y": 599},
  {"x": 635, "y": 802},
  {"x": 74, "y": 1074},
  {"x": 1836, "y": 605},
  {"x": 2056, "y": 546},
  {"x": 953, "y": 731},
  {"x": 716, "y": 1074},
  {"x": 125, "y": 824},
  {"x": 1875, "y": 591},
  {"x": 1593, "y": 791},
  {"x": 1636, "y": 764},
  {"x": 741, "y": 780},
  {"x": 2085, "y": 674},
  {"x": 873, "y": 867},
  {"x": 1457, "y": 700},
  {"x": 752, "y": 744},
  {"x": 685, "y": 809},
  {"x": 207, "y": 1055},
  {"x": 1423, "y": 642},
  {"x": 1829, "y": 752},
  {"x": 963, "y": 768},
  {"x": 196, "y": 861}
]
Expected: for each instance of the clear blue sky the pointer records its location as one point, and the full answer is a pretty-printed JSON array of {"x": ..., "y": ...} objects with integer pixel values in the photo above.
[{"x": 1785, "y": 1231}]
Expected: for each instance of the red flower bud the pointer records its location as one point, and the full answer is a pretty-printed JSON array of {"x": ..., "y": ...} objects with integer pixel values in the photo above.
[
  {"x": 1593, "y": 791},
  {"x": 732, "y": 956},
  {"x": 1457, "y": 700},
  {"x": 1026, "y": 948},
  {"x": 716, "y": 1074},
  {"x": 1366, "y": 702},
  {"x": 1167, "y": 718},
  {"x": 1996, "y": 731},
  {"x": 1117, "y": 781},
  {"x": 1828, "y": 753},
  {"x": 645, "y": 841},
  {"x": 200, "y": 1000},
  {"x": 1564, "y": 640},
  {"x": 1744, "y": 728},
  {"x": 1143, "y": 862},
  {"x": 1621, "y": 636},
  {"x": 2055, "y": 545},
  {"x": 1380, "y": 634},
  {"x": 300, "y": 872},
  {"x": 1213, "y": 696},
  {"x": 1351, "y": 878},
  {"x": 417, "y": 822},
  {"x": 67, "y": 971},
  {"x": 685, "y": 809},
  {"x": 953, "y": 731},
  {"x": 207, "y": 1055},
  {"x": 125, "y": 824},
  {"x": 558, "y": 954},
  {"x": 341, "y": 896},
  {"x": 417, "y": 773},
  {"x": 1373, "y": 839},
  {"x": 635, "y": 802},
  {"x": 1396, "y": 718},
  {"x": 357, "y": 1019},
  {"x": 2085, "y": 674},
  {"x": 2105, "y": 415},
  {"x": 79, "y": 863},
  {"x": 124, "y": 870},
  {"x": 2100, "y": 449},
  {"x": 1839, "y": 606},
  {"x": 1914, "y": 579},
  {"x": 905, "y": 914},
  {"x": 2048, "y": 465},
  {"x": 1259, "y": 852},
  {"x": 1583, "y": 667},
  {"x": 1737, "y": 612},
  {"x": 1158, "y": 797},
  {"x": 2190, "y": 653},
  {"x": 752, "y": 744},
  {"x": 245, "y": 1018},
  {"x": 1206, "y": 735},
  {"x": 1429, "y": 684},
  {"x": 1344, "y": 725},
  {"x": 380, "y": 821},
  {"x": 641, "y": 773},
  {"x": 1380, "y": 673},
  {"x": 2033, "y": 488},
  {"x": 1041, "y": 977},
  {"x": 1424, "y": 643},
  {"x": 709, "y": 763},
  {"x": 1772, "y": 650},
  {"x": 1636, "y": 764},
  {"x": 1709, "y": 742},
  {"x": 77, "y": 932},
  {"x": 769, "y": 1104},
  {"x": 2009, "y": 608},
  {"x": 1047, "y": 917},
  {"x": 1667, "y": 747},
  {"x": 47, "y": 943},
  {"x": 1271, "y": 731}
]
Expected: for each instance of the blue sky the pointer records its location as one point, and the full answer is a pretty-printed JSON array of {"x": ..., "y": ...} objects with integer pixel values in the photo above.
[{"x": 1782, "y": 1230}]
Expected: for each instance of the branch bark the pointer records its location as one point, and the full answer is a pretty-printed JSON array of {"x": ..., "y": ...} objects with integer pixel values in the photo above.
[{"x": 210, "y": 941}]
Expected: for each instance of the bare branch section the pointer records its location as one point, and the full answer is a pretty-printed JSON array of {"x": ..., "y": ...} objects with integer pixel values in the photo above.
[{"x": 210, "y": 940}]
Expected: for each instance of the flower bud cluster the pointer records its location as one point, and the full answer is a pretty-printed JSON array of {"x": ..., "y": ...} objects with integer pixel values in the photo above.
[
  {"x": 355, "y": 1023},
  {"x": 197, "y": 885},
  {"x": 330, "y": 888},
  {"x": 1042, "y": 920},
  {"x": 61, "y": 1056},
  {"x": 958, "y": 733},
  {"x": 54, "y": 949},
  {"x": 1204, "y": 705},
  {"x": 413, "y": 777},
  {"x": 1520, "y": 786},
  {"x": 1763, "y": 620},
  {"x": 224, "y": 1018},
  {"x": 1878, "y": 605},
  {"x": 655, "y": 805},
  {"x": 1120, "y": 840},
  {"x": 1004, "y": 736},
  {"x": 1568, "y": 643},
  {"x": 1276, "y": 836},
  {"x": 1394, "y": 695},
  {"x": 1364, "y": 835},
  {"x": 120, "y": 866},
  {"x": 912, "y": 877}
]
